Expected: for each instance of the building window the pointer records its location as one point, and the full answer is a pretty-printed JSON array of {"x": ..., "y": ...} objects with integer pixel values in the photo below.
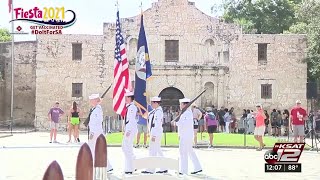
[
  {"x": 76, "y": 89},
  {"x": 172, "y": 50},
  {"x": 226, "y": 56},
  {"x": 76, "y": 51},
  {"x": 266, "y": 91},
  {"x": 262, "y": 52}
]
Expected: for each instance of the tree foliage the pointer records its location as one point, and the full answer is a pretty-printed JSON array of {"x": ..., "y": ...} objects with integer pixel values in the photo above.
[
  {"x": 308, "y": 22},
  {"x": 263, "y": 16},
  {"x": 5, "y": 35},
  {"x": 281, "y": 16}
]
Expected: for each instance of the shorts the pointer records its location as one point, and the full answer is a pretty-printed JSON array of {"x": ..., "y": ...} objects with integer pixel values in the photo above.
[
  {"x": 259, "y": 131},
  {"x": 195, "y": 126},
  {"x": 298, "y": 130},
  {"x": 212, "y": 129},
  {"x": 222, "y": 123},
  {"x": 279, "y": 123},
  {"x": 201, "y": 122},
  {"x": 54, "y": 125},
  {"x": 286, "y": 122},
  {"x": 75, "y": 121},
  {"x": 142, "y": 128}
]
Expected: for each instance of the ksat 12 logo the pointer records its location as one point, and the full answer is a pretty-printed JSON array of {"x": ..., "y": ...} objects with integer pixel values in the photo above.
[{"x": 284, "y": 157}]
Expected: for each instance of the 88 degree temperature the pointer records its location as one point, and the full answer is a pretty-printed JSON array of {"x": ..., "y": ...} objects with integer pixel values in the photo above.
[{"x": 296, "y": 167}]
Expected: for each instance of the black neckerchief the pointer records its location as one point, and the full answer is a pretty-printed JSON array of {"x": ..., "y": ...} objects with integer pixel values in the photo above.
[
  {"x": 125, "y": 120},
  {"x": 152, "y": 123}
]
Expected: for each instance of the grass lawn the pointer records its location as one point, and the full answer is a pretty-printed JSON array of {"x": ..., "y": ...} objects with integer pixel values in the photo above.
[{"x": 220, "y": 139}]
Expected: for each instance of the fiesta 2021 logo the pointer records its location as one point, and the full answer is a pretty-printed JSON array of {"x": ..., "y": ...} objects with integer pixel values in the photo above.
[{"x": 49, "y": 16}]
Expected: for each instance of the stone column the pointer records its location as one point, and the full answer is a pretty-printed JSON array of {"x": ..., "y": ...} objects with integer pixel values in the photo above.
[
  {"x": 221, "y": 88},
  {"x": 198, "y": 87},
  {"x": 216, "y": 89}
]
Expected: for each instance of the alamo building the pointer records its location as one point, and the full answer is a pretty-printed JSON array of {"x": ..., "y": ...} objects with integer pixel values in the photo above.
[{"x": 189, "y": 51}]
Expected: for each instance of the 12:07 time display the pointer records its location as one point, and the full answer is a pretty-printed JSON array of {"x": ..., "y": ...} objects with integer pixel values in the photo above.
[{"x": 296, "y": 167}]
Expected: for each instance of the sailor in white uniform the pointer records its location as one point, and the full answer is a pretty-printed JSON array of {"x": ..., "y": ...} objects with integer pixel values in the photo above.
[
  {"x": 155, "y": 120},
  {"x": 95, "y": 125},
  {"x": 186, "y": 135},
  {"x": 130, "y": 132}
]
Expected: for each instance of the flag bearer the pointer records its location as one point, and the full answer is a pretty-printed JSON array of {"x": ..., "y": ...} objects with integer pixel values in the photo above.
[
  {"x": 130, "y": 131},
  {"x": 156, "y": 131}
]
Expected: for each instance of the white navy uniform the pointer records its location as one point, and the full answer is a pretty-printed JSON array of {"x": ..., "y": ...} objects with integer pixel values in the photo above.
[
  {"x": 127, "y": 142},
  {"x": 155, "y": 128},
  {"x": 186, "y": 135},
  {"x": 95, "y": 126}
]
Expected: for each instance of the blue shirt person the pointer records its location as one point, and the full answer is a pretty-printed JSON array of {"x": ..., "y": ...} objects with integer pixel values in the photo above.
[{"x": 142, "y": 128}]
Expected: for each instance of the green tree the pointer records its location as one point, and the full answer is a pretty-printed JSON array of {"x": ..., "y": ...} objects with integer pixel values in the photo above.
[
  {"x": 5, "y": 35},
  {"x": 308, "y": 16},
  {"x": 262, "y": 16}
]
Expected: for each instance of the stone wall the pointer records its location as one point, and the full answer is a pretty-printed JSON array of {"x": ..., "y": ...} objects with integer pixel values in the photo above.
[
  {"x": 284, "y": 70},
  {"x": 56, "y": 71},
  {"x": 201, "y": 37},
  {"x": 24, "y": 82},
  {"x": 202, "y": 42}
]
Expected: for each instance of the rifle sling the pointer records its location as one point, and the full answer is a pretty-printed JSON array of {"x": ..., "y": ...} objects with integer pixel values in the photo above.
[{"x": 91, "y": 110}]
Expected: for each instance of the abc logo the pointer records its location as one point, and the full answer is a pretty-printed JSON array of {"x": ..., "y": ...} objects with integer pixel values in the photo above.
[{"x": 271, "y": 157}]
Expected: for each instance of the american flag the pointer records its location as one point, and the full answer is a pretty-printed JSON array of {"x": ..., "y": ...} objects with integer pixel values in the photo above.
[{"x": 121, "y": 72}]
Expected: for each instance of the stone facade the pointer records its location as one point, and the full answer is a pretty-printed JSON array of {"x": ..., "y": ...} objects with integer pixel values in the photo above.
[
  {"x": 283, "y": 69},
  {"x": 24, "y": 82},
  {"x": 56, "y": 71},
  {"x": 212, "y": 54}
]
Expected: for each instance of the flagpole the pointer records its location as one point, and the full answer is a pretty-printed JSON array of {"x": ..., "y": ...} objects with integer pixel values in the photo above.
[{"x": 12, "y": 60}]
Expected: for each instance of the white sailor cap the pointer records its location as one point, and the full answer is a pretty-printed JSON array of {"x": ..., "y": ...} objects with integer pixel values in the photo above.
[
  {"x": 94, "y": 96},
  {"x": 155, "y": 99},
  {"x": 298, "y": 102},
  {"x": 184, "y": 100},
  {"x": 258, "y": 105},
  {"x": 128, "y": 93}
]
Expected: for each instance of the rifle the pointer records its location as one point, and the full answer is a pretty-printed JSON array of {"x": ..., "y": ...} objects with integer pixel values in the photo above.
[
  {"x": 188, "y": 105},
  {"x": 86, "y": 122}
]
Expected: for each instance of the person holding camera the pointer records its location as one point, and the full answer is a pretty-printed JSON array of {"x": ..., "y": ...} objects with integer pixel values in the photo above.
[{"x": 260, "y": 126}]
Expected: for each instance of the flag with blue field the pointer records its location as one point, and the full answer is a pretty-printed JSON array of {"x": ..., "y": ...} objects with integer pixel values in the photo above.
[{"x": 143, "y": 71}]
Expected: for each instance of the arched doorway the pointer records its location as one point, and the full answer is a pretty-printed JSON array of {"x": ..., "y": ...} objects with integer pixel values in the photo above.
[
  {"x": 208, "y": 97},
  {"x": 170, "y": 98}
]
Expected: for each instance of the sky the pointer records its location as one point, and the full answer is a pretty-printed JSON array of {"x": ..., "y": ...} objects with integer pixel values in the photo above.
[{"x": 90, "y": 16}]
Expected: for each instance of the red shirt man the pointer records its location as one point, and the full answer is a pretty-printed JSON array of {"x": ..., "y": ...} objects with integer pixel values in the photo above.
[{"x": 298, "y": 116}]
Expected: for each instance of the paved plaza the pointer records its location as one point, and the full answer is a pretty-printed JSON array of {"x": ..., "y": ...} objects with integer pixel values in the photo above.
[{"x": 26, "y": 156}]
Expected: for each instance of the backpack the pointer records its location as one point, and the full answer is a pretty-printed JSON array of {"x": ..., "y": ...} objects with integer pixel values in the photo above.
[{"x": 211, "y": 116}]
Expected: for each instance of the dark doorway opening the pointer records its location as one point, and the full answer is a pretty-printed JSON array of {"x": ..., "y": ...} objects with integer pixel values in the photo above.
[
  {"x": 170, "y": 98},
  {"x": 170, "y": 103}
]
